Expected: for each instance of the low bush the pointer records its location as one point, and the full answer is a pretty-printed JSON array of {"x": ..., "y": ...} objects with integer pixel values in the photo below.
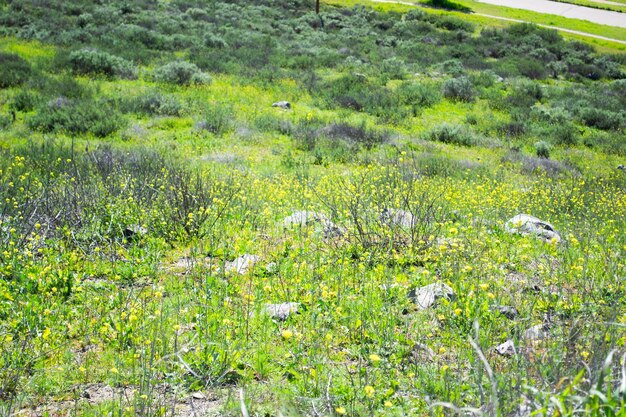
[
  {"x": 360, "y": 135},
  {"x": 76, "y": 117},
  {"x": 152, "y": 103},
  {"x": 459, "y": 89},
  {"x": 602, "y": 119},
  {"x": 181, "y": 73},
  {"x": 418, "y": 94},
  {"x": 14, "y": 70},
  {"x": 451, "y": 134},
  {"x": 5, "y": 121},
  {"x": 93, "y": 62},
  {"x": 542, "y": 149},
  {"x": 24, "y": 101},
  {"x": 272, "y": 123},
  {"x": 217, "y": 119}
]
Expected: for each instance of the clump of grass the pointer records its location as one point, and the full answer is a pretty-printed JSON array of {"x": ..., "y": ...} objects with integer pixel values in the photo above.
[
  {"x": 181, "y": 73},
  {"x": 451, "y": 134},
  {"x": 542, "y": 149}
]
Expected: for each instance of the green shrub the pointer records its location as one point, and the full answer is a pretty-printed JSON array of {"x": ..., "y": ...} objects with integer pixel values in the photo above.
[
  {"x": 452, "y": 134},
  {"x": 566, "y": 134},
  {"x": 5, "y": 121},
  {"x": 272, "y": 123},
  {"x": 453, "y": 67},
  {"x": 418, "y": 94},
  {"x": 459, "y": 89},
  {"x": 542, "y": 149},
  {"x": 24, "y": 100},
  {"x": 14, "y": 70},
  {"x": 218, "y": 120},
  {"x": 358, "y": 135},
  {"x": 181, "y": 73},
  {"x": 77, "y": 117},
  {"x": 602, "y": 119},
  {"x": 93, "y": 62},
  {"x": 153, "y": 103}
]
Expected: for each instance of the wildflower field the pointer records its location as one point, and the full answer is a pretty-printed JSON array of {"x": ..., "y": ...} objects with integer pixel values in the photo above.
[{"x": 175, "y": 241}]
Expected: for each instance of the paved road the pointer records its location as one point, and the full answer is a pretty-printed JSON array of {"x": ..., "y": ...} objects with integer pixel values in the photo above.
[
  {"x": 576, "y": 32},
  {"x": 603, "y": 17}
]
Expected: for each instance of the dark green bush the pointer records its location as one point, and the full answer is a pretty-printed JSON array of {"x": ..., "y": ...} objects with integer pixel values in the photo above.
[
  {"x": 359, "y": 135},
  {"x": 93, "y": 62},
  {"x": 602, "y": 119},
  {"x": 454, "y": 23},
  {"x": 452, "y": 134},
  {"x": 181, "y": 73},
  {"x": 418, "y": 94},
  {"x": 24, "y": 100},
  {"x": 14, "y": 70},
  {"x": 565, "y": 134},
  {"x": 542, "y": 149},
  {"x": 5, "y": 121},
  {"x": 524, "y": 95},
  {"x": 76, "y": 117},
  {"x": 459, "y": 89}
]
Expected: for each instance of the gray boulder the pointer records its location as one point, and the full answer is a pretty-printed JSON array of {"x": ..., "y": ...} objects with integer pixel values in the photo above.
[
  {"x": 427, "y": 296},
  {"x": 525, "y": 224}
]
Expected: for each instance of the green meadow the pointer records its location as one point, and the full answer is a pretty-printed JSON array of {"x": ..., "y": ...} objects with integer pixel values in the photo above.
[{"x": 230, "y": 208}]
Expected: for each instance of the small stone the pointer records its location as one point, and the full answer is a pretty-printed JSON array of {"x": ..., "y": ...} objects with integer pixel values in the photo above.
[
  {"x": 282, "y": 104},
  {"x": 198, "y": 396},
  {"x": 134, "y": 231},
  {"x": 422, "y": 353},
  {"x": 509, "y": 312},
  {"x": 426, "y": 296},
  {"x": 538, "y": 332},
  {"x": 506, "y": 349},
  {"x": 280, "y": 311}
]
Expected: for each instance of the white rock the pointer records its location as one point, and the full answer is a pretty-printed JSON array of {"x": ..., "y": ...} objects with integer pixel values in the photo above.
[
  {"x": 282, "y": 104},
  {"x": 525, "y": 224},
  {"x": 397, "y": 217},
  {"x": 506, "y": 349},
  {"x": 242, "y": 264},
  {"x": 280, "y": 311},
  {"x": 426, "y": 296},
  {"x": 304, "y": 218}
]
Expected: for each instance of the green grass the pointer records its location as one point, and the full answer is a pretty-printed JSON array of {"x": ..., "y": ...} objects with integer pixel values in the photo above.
[
  {"x": 597, "y": 5},
  {"x": 538, "y": 18},
  {"x": 550, "y": 20}
]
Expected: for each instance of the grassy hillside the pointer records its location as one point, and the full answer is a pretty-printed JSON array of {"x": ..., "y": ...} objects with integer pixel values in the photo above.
[{"x": 172, "y": 244}]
